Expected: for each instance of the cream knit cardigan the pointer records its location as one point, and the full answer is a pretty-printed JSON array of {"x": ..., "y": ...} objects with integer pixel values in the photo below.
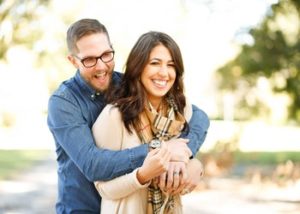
[{"x": 123, "y": 194}]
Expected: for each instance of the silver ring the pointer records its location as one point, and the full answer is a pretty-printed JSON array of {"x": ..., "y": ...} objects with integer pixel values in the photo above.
[{"x": 175, "y": 173}]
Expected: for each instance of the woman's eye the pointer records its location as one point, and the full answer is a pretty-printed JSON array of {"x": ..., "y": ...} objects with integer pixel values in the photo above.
[{"x": 154, "y": 63}]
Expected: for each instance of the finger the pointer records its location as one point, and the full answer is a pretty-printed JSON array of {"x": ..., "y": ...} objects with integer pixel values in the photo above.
[
  {"x": 162, "y": 181},
  {"x": 156, "y": 180},
  {"x": 184, "y": 175},
  {"x": 185, "y": 191},
  {"x": 170, "y": 177},
  {"x": 179, "y": 188},
  {"x": 189, "y": 188},
  {"x": 186, "y": 188},
  {"x": 178, "y": 168},
  {"x": 192, "y": 187},
  {"x": 176, "y": 178}
]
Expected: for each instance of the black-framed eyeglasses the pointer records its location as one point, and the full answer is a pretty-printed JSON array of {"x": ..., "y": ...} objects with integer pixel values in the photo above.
[{"x": 90, "y": 61}]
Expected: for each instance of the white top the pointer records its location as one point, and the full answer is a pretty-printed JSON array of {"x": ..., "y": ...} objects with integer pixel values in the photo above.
[{"x": 123, "y": 194}]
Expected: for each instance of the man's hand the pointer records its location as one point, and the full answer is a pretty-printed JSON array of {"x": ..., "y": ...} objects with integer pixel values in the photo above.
[
  {"x": 195, "y": 172},
  {"x": 155, "y": 163},
  {"x": 179, "y": 150}
]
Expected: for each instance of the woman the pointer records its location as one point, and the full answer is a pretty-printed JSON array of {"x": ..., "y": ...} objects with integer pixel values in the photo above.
[{"x": 149, "y": 104}]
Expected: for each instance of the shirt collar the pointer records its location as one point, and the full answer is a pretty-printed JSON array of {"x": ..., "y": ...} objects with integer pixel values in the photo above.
[
  {"x": 86, "y": 87},
  {"x": 89, "y": 91}
]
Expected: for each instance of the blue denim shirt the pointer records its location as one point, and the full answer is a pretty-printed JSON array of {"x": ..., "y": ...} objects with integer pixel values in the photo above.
[{"x": 72, "y": 110}]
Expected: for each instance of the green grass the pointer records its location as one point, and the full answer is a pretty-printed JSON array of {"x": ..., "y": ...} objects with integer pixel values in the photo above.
[
  {"x": 261, "y": 158},
  {"x": 13, "y": 162},
  {"x": 266, "y": 158}
]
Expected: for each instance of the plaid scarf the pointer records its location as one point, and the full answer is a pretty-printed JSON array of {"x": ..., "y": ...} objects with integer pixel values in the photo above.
[{"x": 155, "y": 125}]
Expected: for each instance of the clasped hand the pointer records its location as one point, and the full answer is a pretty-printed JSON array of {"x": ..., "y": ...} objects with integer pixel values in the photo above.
[
  {"x": 174, "y": 179},
  {"x": 171, "y": 168},
  {"x": 181, "y": 178}
]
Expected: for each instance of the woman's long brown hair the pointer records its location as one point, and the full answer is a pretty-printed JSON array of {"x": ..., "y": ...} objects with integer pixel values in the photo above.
[{"x": 130, "y": 96}]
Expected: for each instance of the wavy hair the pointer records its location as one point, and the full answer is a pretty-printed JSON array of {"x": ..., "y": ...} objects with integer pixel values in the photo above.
[{"x": 130, "y": 96}]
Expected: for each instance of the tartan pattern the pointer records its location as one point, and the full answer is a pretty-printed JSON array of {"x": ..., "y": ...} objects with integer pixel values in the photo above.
[
  {"x": 155, "y": 125},
  {"x": 155, "y": 199}
]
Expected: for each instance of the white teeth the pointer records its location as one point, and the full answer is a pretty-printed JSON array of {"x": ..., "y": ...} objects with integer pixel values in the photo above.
[
  {"x": 160, "y": 82},
  {"x": 101, "y": 74}
]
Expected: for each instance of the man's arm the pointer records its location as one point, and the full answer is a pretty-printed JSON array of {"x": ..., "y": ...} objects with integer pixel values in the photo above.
[
  {"x": 73, "y": 134},
  {"x": 198, "y": 126}
]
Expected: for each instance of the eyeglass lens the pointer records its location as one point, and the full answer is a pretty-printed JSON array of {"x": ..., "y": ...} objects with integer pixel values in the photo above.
[{"x": 92, "y": 61}]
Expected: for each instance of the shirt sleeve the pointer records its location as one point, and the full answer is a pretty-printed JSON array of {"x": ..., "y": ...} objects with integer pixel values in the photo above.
[
  {"x": 73, "y": 135},
  {"x": 198, "y": 126},
  {"x": 108, "y": 132}
]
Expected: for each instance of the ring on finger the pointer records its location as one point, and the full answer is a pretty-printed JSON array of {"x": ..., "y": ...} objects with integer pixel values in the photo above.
[{"x": 175, "y": 173}]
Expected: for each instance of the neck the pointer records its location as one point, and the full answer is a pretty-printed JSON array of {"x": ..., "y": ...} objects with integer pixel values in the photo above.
[{"x": 156, "y": 104}]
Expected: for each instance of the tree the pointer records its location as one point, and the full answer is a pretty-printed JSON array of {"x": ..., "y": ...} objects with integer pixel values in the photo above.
[
  {"x": 274, "y": 55},
  {"x": 18, "y": 23}
]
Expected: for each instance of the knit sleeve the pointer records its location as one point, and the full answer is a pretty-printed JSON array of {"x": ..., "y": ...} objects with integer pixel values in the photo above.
[
  {"x": 119, "y": 187},
  {"x": 107, "y": 129},
  {"x": 108, "y": 132}
]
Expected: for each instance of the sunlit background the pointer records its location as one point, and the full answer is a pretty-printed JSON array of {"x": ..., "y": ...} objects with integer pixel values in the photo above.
[{"x": 241, "y": 67}]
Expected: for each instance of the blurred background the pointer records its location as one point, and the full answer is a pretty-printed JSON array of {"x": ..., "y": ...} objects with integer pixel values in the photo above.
[{"x": 242, "y": 67}]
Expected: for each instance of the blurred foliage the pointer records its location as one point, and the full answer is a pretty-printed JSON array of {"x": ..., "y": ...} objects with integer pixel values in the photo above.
[
  {"x": 266, "y": 158},
  {"x": 14, "y": 161},
  {"x": 225, "y": 157},
  {"x": 220, "y": 158},
  {"x": 19, "y": 23},
  {"x": 37, "y": 26},
  {"x": 8, "y": 119},
  {"x": 273, "y": 54}
]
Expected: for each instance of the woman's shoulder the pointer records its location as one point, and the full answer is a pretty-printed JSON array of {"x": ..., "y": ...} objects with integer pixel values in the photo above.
[
  {"x": 108, "y": 114},
  {"x": 111, "y": 110}
]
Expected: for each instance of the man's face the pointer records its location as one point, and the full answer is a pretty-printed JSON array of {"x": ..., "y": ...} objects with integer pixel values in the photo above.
[{"x": 99, "y": 75}]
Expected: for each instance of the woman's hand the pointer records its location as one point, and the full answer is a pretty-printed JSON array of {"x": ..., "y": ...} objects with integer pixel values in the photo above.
[
  {"x": 194, "y": 174},
  {"x": 155, "y": 163},
  {"x": 171, "y": 180}
]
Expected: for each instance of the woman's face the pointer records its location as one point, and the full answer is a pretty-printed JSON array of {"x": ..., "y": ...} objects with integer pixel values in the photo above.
[{"x": 158, "y": 75}]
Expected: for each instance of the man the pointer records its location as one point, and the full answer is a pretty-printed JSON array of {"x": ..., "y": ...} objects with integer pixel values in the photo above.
[{"x": 74, "y": 107}]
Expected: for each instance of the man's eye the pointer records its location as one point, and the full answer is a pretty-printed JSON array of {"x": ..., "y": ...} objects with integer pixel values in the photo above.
[
  {"x": 106, "y": 54},
  {"x": 89, "y": 59}
]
